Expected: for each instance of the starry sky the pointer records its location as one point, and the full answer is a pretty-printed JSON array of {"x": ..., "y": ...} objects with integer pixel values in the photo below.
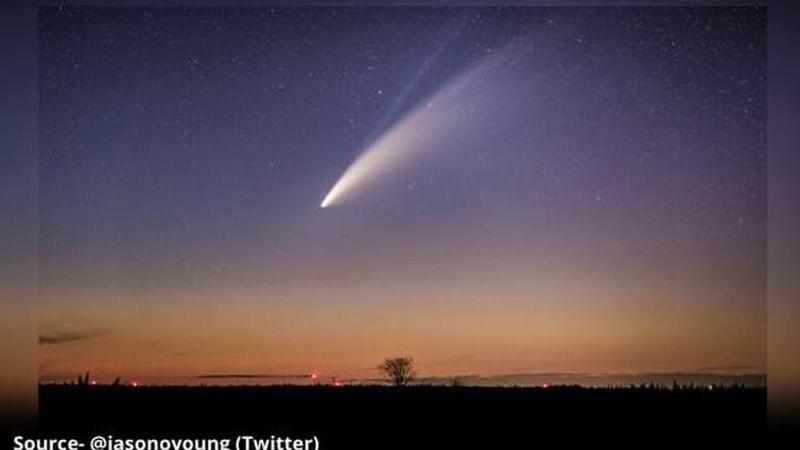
[{"x": 588, "y": 194}]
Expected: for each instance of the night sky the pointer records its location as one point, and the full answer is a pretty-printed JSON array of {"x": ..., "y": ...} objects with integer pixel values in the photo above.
[{"x": 555, "y": 189}]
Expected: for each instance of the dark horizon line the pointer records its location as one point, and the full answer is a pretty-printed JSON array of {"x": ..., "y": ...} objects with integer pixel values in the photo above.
[
  {"x": 246, "y": 375},
  {"x": 502, "y": 375},
  {"x": 435, "y": 378}
]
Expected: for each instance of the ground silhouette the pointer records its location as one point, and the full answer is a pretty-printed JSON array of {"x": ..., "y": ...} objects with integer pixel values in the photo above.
[{"x": 414, "y": 416}]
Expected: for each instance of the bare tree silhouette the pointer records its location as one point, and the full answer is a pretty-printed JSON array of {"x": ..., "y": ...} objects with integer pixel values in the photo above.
[{"x": 399, "y": 371}]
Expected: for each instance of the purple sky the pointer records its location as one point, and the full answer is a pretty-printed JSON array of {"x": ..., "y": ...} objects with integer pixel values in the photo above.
[{"x": 593, "y": 201}]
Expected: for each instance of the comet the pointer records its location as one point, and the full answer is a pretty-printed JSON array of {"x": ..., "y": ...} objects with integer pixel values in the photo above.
[
  {"x": 440, "y": 118},
  {"x": 396, "y": 148}
]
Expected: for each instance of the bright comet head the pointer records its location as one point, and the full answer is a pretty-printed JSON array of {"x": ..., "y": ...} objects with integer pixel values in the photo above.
[{"x": 332, "y": 194}]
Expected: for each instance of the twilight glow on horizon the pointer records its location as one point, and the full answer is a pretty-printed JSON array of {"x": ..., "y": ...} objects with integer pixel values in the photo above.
[{"x": 285, "y": 191}]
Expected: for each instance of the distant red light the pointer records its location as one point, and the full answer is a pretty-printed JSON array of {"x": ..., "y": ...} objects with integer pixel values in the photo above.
[
  {"x": 545, "y": 385},
  {"x": 135, "y": 384}
]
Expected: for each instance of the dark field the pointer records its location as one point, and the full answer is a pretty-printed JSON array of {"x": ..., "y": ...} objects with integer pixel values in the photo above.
[{"x": 411, "y": 417}]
